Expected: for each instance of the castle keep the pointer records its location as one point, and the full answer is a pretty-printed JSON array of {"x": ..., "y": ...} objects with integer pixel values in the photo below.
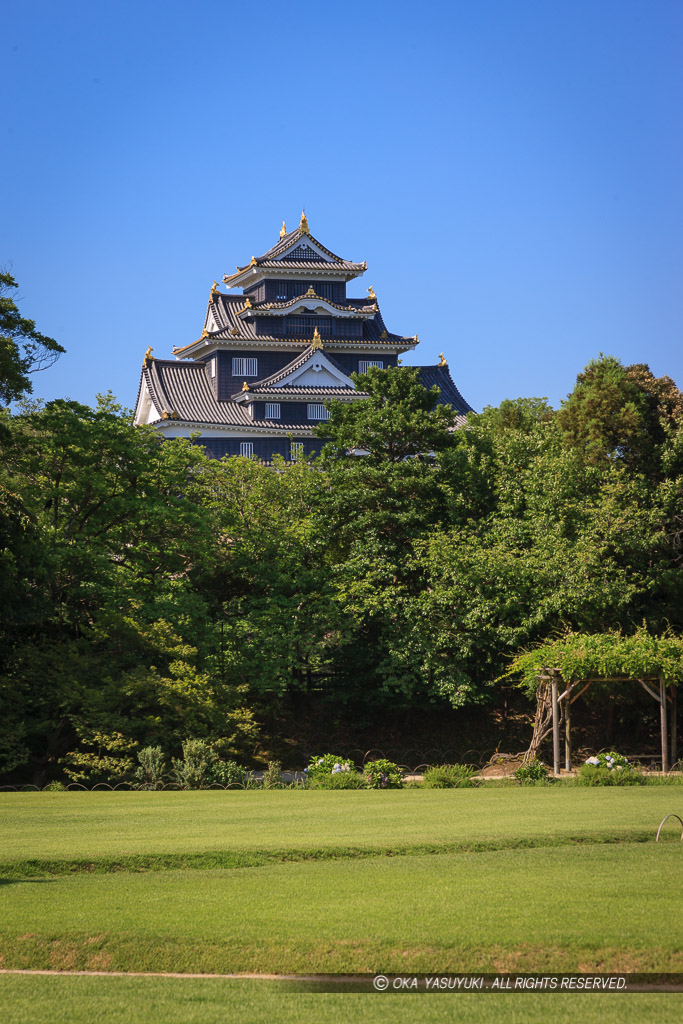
[{"x": 273, "y": 352}]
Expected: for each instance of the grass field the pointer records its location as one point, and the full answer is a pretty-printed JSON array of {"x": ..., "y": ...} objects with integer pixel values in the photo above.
[
  {"x": 113, "y": 826},
  {"x": 63, "y": 1000},
  {"x": 294, "y": 882}
]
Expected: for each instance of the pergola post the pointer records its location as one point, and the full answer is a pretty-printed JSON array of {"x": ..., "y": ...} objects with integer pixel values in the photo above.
[
  {"x": 663, "y": 724},
  {"x": 556, "y": 726},
  {"x": 674, "y": 725},
  {"x": 567, "y": 733}
]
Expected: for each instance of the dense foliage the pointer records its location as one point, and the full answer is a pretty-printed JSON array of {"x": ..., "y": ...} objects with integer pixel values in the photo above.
[
  {"x": 23, "y": 349},
  {"x": 604, "y": 655},
  {"x": 150, "y": 594}
]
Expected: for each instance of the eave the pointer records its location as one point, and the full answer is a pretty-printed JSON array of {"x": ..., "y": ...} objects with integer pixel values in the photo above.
[
  {"x": 209, "y": 345},
  {"x": 310, "y": 302}
]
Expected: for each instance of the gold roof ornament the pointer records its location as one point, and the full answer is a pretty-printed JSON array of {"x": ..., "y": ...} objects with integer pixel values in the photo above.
[
  {"x": 164, "y": 415},
  {"x": 384, "y": 335},
  {"x": 148, "y": 355},
  {"x": 311, "y": 292},
  {"x": 252, "y": 262},
  {"x": 245, "y": 386},
  {"x": 205, "y": 334},
  {"x": 303, "y": 223},
  {"x": 283, "y": 230},
  {"x": 442, "y": 361},
  {"x": 317, "y": 340},
  {"x": 175, "y": 415},
  {"x": 371, "y": 292},
  {"x": 247, "y": 303},
  {"x": 234, "y": 331}
]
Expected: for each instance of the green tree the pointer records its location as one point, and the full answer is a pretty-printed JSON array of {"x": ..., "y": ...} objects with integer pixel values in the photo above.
[
  {"x": 621, "y": 413},
  {"x": 399, "y": 419},
  {"x": 23, "y": 349},
  {"x": 108, "y": 528}
]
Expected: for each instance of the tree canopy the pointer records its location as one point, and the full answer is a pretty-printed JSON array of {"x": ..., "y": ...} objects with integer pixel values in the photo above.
[
  {"x": 23, "y": 349},
  {"x": 400, "y": 418},
  {"x": 621, "y": 413},
  {"x": 149, "y": 593},
  {"x": 607, "y": 655}
]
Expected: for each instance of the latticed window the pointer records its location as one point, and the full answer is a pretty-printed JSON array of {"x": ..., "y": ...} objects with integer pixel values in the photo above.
[
  {"x": 244, "y": 367},
  {"x": 295, "y": 449},
  {"x": 285, "y": 290},
  {"x": 365, "y": 364},
  {"x": 302, "y": 252},
  {"x": 247, "y": 448},
  {"x": 304, "y": 326},
  {"x": 212, "y": 365},
  {"x": 318, "y": 412},
  {"x": 272, "y": 410}
]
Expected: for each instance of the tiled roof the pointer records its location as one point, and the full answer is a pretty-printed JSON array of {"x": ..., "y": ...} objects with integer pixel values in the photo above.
[
  {"x": 306, "y": 265},
  {"x": 276, "y": 258},
  {"x": 292, "y": 389},
  {"x": 294, "y": 366},
  {"x": 225, "y": 309},
  {"x": 440, "y": 376},
  {"x": 349, "y": 305},
  {"x": 183, "y": 391},
  {"x": 277, "y": 251}
]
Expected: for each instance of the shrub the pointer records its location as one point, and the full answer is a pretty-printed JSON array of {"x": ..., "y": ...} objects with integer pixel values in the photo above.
[
  {"x": 532, "y": 773},
  {"x": 600, "y": 775},
  {"x": 611, "y": 761},
  {"x": 328, "y": 764},
  {"x": 382, "y": 774},
  {"x": 338, "y": 780},
  {"x": 110, "y": 762},
  {"x": 228, "y": 773},
  {"x": 54, "y": 787},
  {"x": 195, "y": 770},
  {"x": 449, "y": 776},
  {"x": 272, "y": 776},
  {"x": 152, "y": 766}
]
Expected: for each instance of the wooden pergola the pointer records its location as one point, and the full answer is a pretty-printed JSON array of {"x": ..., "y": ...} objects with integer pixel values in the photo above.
[{"x": 555, "y": 699}]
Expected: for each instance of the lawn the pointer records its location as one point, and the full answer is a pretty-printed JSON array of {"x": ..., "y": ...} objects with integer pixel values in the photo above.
[
  {"x": 608, "y": 907},
  {"x": 64, "y": 1000},
  {"x": 104, "y": 826},
  {"x": 304, "y": 881}
]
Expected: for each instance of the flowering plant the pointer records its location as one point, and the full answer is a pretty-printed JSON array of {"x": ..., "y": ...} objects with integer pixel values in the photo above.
[
  {"x": 383, "y": 774},
  {"x": 328, "y": 764},
  {"x": 610, "y": 769},
  {"x": 611, "y": 760},
  {"x": 533, "y": 772}
]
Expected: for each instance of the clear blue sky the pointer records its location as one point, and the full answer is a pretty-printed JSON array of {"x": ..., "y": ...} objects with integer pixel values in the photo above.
[{"x": 511, "y": 170}]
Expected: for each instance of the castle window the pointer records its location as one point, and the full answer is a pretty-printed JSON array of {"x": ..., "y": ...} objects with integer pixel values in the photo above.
[
  {"x": 247, "y": 448},
  {"x": 213, "y": 367},
  {"x": 244, "y": 367},
  {"x": 318, "y": 412},
  {"x": 303, "y": 326},
  {"x": 302, "y": 252},
  {"x": 272, "y": 410},
  {"x": 296, "y": 449},
  {"x": 365, "y": 364}
]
